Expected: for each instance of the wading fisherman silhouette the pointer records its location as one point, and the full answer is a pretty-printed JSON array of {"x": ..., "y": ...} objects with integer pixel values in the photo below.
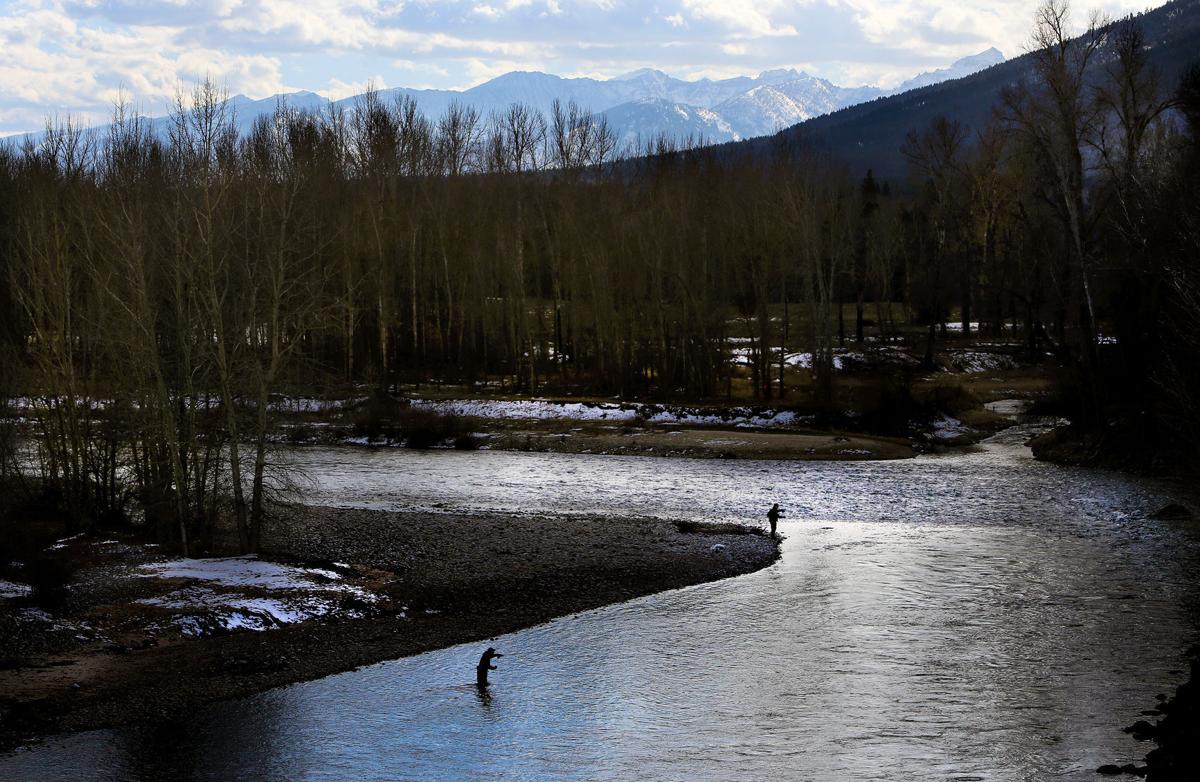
[
  {"x": 485, "y": 665},
  {"x": 773, "y": 516}
]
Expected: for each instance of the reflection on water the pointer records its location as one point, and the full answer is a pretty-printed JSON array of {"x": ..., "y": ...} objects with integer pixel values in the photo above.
[{"x": 967, "y": 617}]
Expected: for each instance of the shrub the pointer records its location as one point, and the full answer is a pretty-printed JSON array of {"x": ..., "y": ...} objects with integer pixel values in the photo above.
[
  {"x": 1064, "y": 400},
  {"x": 948, "y": 395},
  {"x": 886, "y": 404},
  {"x": 425, "y": 428},
  {"x": 377, "y": 417},
  {"x": 468, "y": 442},
  {"x": 31, "y": 518},
  {"x": 49, "y": 577},
  {"x": 300, "y": 433},
  {"x": 383, "y": 417}
]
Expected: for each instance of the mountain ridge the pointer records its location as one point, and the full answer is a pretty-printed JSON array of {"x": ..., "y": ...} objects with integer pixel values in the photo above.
[
  {"x": 868, "y": 135},
  {"x": 639, "y": 105}
]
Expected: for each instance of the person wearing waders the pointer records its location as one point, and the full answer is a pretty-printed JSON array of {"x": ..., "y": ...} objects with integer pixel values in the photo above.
[
  {"x": 485, "y": 665},
  {"x": 773, "y": 516}
]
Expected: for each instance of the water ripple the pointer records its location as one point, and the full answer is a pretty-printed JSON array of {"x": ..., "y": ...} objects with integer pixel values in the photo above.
[{"x": 970, "y": 617}]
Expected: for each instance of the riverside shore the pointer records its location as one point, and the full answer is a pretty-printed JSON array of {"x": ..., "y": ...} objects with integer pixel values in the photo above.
[
  {"x": 437, "y": 580},
  {"x": 706, "y": 443}
]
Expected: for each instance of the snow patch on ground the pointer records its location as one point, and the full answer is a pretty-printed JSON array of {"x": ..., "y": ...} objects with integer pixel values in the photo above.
[
  {"x": 62, "y": 543},
  {"x": 312, "y": 405},
  {"x": 973, "y": 362},
  {"x": 532, "y": 409},
  {"x": 228, "y": 594},
  {"x": 12, "y": 589},
  {"x": 245, "y": 571},
  {"x": 208, "y": 610},
  {"x": 543, "y": 409},
  {"x": 798, "y": 360},
  {"x": 740, "y": 417},
  {"x": 34, "y": 615},
  {"x": 947, "y": 429}
]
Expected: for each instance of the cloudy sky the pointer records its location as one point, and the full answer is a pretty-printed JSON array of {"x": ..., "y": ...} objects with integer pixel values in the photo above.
[{"x": 75, "y": 56}]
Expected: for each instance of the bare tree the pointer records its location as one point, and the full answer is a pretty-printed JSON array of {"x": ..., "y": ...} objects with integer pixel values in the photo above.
[{"x": 1056, "y": 117}]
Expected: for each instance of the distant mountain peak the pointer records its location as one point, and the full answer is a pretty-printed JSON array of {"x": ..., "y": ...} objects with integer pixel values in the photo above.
[
  {"x": 518, "y": 75},
  {"x": 780, "y": 75},
  {"x": 961, "y": 68},
  {"x": 641, "y": 73},
  {"x": 987, "y": 58}
]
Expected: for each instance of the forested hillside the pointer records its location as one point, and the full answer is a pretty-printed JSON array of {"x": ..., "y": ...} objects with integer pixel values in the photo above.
[{"x": 866, "y": 136}]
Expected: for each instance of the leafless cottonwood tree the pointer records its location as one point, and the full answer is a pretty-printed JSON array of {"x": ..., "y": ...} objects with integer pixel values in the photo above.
[{"x": 163, "y": 287}]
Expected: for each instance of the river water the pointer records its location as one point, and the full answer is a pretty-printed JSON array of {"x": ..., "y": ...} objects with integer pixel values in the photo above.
[{"x": 975, "y": 616}]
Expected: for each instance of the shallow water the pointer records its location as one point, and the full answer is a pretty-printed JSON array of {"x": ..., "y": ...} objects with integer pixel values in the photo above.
[{"x": 972, "y": 617}]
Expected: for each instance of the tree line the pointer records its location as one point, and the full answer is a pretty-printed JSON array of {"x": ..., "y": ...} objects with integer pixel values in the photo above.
[{"x": 162, "y": 286}]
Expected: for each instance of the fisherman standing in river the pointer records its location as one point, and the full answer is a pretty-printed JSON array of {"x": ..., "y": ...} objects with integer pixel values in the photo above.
[
  {"x": 773, "y": 516},
  {"x": 485, "y": 665}
]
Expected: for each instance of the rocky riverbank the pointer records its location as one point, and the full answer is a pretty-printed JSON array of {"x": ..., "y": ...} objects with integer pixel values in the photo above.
[
  {"x": 403, "y": 583},
  {"x": 1175, "y": 730},
  {"x": 598, "y": 427}
]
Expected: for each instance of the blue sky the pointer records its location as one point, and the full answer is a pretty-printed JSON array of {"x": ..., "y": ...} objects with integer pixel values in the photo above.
[{"x": 77, "y": 56}]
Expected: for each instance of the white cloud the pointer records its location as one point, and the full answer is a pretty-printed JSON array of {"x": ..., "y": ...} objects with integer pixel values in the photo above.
[
  {"x": 478, "y": 70},
  {"x": 751, "y": 17},
  {"x": 941, "y": 29},
  {"x": 338, "y": 89},
  {"x": 488, "y": 11},
  {"x": 415, "y": 66},
  {"x": 51, "y": 65}
]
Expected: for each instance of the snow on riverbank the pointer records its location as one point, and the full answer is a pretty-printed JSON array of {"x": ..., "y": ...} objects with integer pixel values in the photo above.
[
  {"x": 949, "y": 430},
  {"x": 842, "y": 359},
  {"x": 241, "y": 572},
  {"x": 975, "y": 362},
  {"x": 278, "y": 403},
  {"x": 735, "y": 416},
  {"x": 530, "y": 409},
  {"x": 11, "y": 589},
  {"x": 543, "y": 409},
  {"x": 246, "y": 593},
  {"x": 294, "y": 405}
]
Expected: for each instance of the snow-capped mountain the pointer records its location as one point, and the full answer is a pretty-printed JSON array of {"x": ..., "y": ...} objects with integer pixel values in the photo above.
[
  {"x": 647, "y": 103},
  {"x": 787, "y": 98},
  {"x": 768, "y": 108},
  {"x": 650, "y": 83},
  {"x": 643, "y": 104},
  {"x": 964, "y": 67},
  {"x": 642, "y": 121}
]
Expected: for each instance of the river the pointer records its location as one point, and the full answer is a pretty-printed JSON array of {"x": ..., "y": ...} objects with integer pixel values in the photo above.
[{"x": 976, "y": 616}]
